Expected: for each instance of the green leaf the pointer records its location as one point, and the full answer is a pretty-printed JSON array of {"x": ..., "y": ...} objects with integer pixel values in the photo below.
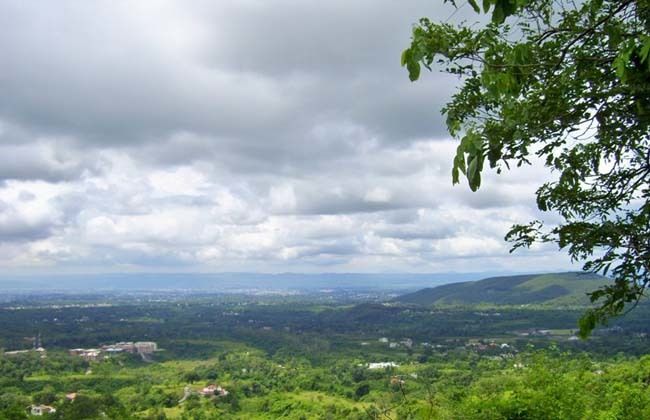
[
  {"x": 486, "y": 5},
  {"x": 498, "y": 16},
  {"x": 587, "y": 323},
  {"x": 475, "y": 182},
  {"x": 474, "y": 6},
  {"x": 645, "y": 50},
  {"x": 413, "y": 68},
  {"x": 459, "y": 160},
  {"x": 474, "y": 173},
  {"x": 411, "y": 63},
  {"x": 406, "y": 54}
]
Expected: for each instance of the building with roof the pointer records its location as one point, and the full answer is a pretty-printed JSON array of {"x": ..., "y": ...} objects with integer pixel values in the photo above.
[{"x": 39, "y": 410}]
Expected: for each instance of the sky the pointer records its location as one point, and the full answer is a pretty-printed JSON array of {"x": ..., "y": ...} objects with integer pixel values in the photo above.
[{"x": 256, "y": 136}]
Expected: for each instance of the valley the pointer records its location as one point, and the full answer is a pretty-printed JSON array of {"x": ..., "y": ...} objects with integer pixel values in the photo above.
[{"x": 334, "y": 354}]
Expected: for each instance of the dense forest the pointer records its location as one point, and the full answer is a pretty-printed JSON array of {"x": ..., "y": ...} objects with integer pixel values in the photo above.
[{"x": 311, "y": 357}]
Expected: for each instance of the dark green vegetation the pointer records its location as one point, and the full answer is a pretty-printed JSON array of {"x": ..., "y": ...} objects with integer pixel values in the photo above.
[
  {"x": 307, "y": 357},
  {"x": 566, "y": 83},
  {"x": 556, "y": 289}
]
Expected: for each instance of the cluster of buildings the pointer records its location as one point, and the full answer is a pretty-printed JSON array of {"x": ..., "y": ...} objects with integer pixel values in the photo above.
[
  {"x": 208, "y": 391},
  {"x": 139, "y": 347},
  {"x": 482, "y": 346},
  {"x": 382, "y": 365},
  {"x": 407, "y": 342},
  {"x": 86, "y": 354}
]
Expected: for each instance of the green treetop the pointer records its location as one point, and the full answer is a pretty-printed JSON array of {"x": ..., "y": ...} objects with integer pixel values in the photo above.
[{"x": 569, "y": 82}]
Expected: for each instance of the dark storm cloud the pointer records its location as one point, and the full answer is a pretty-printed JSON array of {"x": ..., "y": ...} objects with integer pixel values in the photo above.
[
  {"x": 350, "y": 52},
  {"x": 26, "y": 155},
  {"x": 42, "y": 162},
  {"x": 17, "y": 230},
  {"x": 94, "y": 72},
  {"x": 254, "y": 81}
]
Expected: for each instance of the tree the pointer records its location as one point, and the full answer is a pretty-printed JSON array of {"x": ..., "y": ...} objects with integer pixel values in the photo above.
[
  {"x": 363, "y": 389},
  {"x": 83, "y": 407},
  {"x": 568, "y": 82}
]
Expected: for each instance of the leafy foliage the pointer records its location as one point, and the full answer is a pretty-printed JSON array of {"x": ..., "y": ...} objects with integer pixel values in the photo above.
[
  {"x": 283, "y": 359},
  {"x": 568, "y": 82}
]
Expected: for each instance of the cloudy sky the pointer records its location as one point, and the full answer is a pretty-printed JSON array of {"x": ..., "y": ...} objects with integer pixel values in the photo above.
[{"x": 240, "y": 135}]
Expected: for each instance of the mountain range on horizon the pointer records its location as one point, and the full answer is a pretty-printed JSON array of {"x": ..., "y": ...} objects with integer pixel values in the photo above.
[
  {"x": 425, "y": 288},
  {"x": 230, "y": 282}
]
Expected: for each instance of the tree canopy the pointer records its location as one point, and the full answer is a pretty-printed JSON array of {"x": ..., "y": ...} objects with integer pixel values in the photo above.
[{"x": 568, "y": 82}]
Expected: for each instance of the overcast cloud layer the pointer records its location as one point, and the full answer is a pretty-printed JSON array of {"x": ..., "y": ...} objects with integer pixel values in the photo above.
[{"x": 237, "y": 136}]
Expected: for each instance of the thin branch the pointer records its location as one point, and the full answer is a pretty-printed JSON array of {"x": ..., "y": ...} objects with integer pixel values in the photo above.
[{"x": 590, "y": 30}]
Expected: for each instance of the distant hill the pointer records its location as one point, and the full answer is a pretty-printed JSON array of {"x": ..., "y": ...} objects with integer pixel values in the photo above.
[{"x": 553, "y": 288}]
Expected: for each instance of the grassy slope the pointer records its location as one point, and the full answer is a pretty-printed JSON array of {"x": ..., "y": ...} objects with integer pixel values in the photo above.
[{"x": 552, "y": 289}]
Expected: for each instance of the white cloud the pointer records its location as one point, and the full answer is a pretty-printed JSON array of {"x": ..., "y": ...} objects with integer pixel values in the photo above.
[
  {"x": 378, "y": 195},
  {"x": 236, "y": 137},
  {"x": 282, "y": 198}
]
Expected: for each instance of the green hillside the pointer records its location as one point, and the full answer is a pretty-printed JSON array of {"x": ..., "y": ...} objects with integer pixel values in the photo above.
[{"x": 552, "y": 288}]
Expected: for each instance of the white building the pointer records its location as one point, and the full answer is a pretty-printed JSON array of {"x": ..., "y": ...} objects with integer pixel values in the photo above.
[
  {"x": 39, "y": 410},
  {"x": 146, "y": 347},
  {"x": 382, "y": 365}
]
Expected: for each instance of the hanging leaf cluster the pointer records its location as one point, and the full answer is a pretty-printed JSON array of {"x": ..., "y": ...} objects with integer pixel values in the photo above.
[{"x": 567, "y": 82}]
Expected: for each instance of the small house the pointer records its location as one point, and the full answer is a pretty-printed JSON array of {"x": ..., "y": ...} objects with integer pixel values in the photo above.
[
  {"x": 39, "y": 410},
  {"x": 212, "y": 389}
]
